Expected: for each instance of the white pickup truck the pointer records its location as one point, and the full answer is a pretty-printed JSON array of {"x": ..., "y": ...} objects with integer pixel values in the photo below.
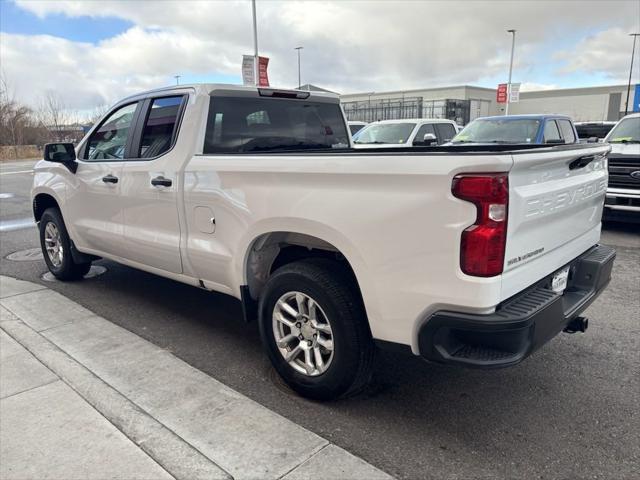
[{"x": 465, "y": 255}]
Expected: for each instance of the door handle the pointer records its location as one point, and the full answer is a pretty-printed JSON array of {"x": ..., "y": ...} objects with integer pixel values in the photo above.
[
  {"x": 110, "y": 179},
  {"x": 581, "y": 162},
  {"x": 161, "y": 182}
]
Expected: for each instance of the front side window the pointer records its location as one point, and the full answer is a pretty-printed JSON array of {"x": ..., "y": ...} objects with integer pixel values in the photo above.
[
  {"x": 160, "y": 127},
  {"x": 109, "y": 141},
  {"x": 382, "y": 133},
  {"x": 551, "y": 132},
  {"x": 446, "y": 131},
  {"x": 355, "y": 128},
  {"x": 423, "y": 130},
  {"x": 567, "y": 131},
  {"x": 240, "y": 124}
]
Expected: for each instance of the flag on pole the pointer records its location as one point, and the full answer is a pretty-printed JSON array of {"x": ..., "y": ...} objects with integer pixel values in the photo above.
[{"x": 248, "y": 75}]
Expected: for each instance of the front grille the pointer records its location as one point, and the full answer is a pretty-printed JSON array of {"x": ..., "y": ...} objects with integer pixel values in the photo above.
[{"x": 620, "y": 169}]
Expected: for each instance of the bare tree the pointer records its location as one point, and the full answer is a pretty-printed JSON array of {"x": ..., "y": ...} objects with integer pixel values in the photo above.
[
  {"x": 53, "y": 115},
  {"x": 97, "y": 113},
  {"x": 14, "y": 118}
]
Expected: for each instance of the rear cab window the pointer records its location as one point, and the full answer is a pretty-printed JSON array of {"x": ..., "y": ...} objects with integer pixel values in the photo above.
[{"x": 259, "y": 124}]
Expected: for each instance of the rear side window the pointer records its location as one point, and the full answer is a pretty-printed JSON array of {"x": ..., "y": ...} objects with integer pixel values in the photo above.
[
  {"x": 159, "y": 130},
  {"x": 237, "y": 124},
  {"x": 567, "y": 131},
  {"x": 551, "y": 132},
  {"x": 446, "y": 132}
]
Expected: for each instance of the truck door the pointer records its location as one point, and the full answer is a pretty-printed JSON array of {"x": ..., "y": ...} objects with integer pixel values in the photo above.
[
  {"x": 93, "y": 210},
  {"x": 149, "y": 186}
]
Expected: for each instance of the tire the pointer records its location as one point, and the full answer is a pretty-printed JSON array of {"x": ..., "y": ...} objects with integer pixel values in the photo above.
[
  {"x": 62, "y": 267},
  {"x": 348, "y": 365}
]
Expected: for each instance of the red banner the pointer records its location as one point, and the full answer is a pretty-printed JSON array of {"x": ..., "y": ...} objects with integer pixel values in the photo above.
[
  {"x": 501, "y": 96},
  {"x": 263, "y": 79}
]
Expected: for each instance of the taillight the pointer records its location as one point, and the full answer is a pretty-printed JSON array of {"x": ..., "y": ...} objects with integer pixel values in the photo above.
[{"x": 483, "y": 243}]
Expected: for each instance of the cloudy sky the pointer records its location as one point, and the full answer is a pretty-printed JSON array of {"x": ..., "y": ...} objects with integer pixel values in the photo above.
[{"x": 94, "y": 52}]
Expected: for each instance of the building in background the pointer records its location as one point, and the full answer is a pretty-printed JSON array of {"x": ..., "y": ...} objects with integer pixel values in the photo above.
[{"x": 465, "y": 103}]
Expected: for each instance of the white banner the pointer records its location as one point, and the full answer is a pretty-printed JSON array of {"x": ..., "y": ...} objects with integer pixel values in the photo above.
[
  {"x": 514, "y": 93},
  {"x": 248, "y": 70}
]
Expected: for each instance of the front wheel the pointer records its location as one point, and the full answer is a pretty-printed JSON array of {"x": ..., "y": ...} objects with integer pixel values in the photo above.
[
  {"x": 56, "y": 247},
  {"x": 314, "y": 328}
]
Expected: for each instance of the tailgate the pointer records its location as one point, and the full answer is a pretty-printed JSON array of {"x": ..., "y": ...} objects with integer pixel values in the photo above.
[{"x": 556, "y": 198}]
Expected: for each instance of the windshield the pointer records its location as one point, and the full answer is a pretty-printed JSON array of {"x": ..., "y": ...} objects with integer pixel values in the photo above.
[
  {"x": 626, "y": 131},
  {"x": 385, "y": 133},
  {"x": 499, "y": 130}
]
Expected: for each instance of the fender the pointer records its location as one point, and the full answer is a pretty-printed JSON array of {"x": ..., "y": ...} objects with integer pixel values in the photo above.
[{"x": 314, "y": 229}]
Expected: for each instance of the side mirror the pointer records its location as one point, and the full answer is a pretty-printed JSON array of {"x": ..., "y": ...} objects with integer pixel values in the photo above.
[
  {"x": 428, "y": 139},
  {"x": 63, "y": 153}
]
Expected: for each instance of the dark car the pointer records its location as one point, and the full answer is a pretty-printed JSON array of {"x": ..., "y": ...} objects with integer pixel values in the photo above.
[{"x": 593, "y": 130}]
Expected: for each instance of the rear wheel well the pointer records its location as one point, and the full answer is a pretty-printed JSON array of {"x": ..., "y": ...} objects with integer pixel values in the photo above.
[
  {"x": 41, "y": 202},
  {"x": 274, "y": 250}
]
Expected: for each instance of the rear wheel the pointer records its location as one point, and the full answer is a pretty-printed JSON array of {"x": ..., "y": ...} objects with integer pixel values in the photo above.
[
  {"x": 314, "y": 328},
  {"x": 56, "y": 247}
]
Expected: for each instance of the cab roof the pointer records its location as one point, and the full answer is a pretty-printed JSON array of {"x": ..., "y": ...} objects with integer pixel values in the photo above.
[
  {"x": 413, "y": 120},
  {"x": 210, "y": 89},
  {"x": 529, "y": 116}
]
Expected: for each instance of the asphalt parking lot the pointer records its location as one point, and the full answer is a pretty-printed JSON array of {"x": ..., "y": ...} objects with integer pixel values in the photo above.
[{"x": 569, "y": 411}]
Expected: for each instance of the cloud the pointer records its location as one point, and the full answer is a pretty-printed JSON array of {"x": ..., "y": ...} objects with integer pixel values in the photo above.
[
  {"x": 532, "y": 86},
  {"x": 348, "y": 46},
  {"x": 607, "y": 52}
]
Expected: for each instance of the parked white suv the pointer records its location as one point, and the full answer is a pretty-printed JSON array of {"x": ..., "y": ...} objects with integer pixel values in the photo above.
[
  {"x": 405, "y": 133},
  {"x": 468, "y": 255}
]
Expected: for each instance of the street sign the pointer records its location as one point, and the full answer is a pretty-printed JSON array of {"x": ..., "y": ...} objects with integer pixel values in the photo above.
[
  {"x": 263, "y": 79},
  {"x": 636, "y": 101},
  {"x": 501, "y": 96},
  {"x": 514, "y": 93},
  {"x": 248, "y": 72}
]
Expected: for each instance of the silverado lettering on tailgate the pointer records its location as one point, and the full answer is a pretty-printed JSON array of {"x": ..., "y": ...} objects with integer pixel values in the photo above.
[{"x": 557, "y": 201}]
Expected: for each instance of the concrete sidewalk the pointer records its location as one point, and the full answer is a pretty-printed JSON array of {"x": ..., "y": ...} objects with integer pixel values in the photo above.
[{"x": 83, "y": 398}]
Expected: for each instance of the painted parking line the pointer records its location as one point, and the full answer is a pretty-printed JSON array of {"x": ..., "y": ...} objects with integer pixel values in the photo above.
[{"x": 19, "y": 224}]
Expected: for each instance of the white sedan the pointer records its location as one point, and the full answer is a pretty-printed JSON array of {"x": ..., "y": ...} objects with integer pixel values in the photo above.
[{"x": 405, "y": 133}]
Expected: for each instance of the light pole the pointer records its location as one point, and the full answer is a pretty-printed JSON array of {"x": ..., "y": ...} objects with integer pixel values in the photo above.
[
  {"x": 299, "y": 77},
  {"x": 255, "y": 44},
  {"x": 513, "y": 46},
  {"x": 633, "y": 52},
  {"x": 177, "y": 77}
]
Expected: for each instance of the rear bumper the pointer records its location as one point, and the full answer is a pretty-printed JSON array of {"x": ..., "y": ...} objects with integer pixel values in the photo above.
[{"x": 520, "y": 325}]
